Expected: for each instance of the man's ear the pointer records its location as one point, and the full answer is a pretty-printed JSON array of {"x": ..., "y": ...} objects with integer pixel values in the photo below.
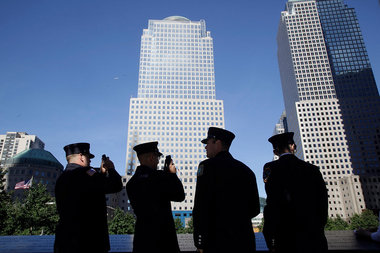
[
  {"x": 276, "y": 152},
  {"x": 293, "y": 148},
  {"x": 81, "y": 157}
]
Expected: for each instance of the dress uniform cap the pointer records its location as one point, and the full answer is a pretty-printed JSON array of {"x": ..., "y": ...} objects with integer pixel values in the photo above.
[
  {"x": 78, "y": 148},
  {"x": 281, "y": 139},
  {"x": 219, "y": 134},
  {"x": 147, "y": 148}
]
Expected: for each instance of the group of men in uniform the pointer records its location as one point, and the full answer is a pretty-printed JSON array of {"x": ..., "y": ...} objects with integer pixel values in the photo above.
[{"x": 226, "y": 199}]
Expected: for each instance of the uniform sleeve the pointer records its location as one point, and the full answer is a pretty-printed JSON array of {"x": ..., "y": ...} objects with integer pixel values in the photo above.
[
  {"x": 254, "y": 195},
  {"x": 272, "y": 210},
  {"x": 112, "y": 182},
  {"x": 322, "y": 198},
  {"x": 171, "y": 186},
  {"x": 101, "y": 182},
  {"x": 202, "y": 206}
]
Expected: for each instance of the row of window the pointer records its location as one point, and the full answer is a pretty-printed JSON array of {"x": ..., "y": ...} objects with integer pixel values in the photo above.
[
  {"x": 178, "y": 72},
  {"x": 148, "y": 42},
  {"x": 179, "y": 96},
  {"x": 166, "y": 93},
  {"x": 163, "y": 24},
  {"x": 143, "y": 114},
  {"x": 172, "y": 102}
]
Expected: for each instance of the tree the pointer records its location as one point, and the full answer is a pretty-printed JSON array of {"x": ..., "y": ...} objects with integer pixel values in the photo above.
[
  {"x": 14, "y": 224},
  {"x": 190, "y": 226},
  {"x": 180, "y": 229},
  {"x": 261, "y": 225},
  {"x": 336, "y": 224},
  {"x": 122, "y": 223},
  {"x": 35, "y": 215},
  {"x": 38, "y": 211},
  {"x": 179, "y": 226},
  {"x": 5, "y": 203},
  {"x": 366, "y": 220}
]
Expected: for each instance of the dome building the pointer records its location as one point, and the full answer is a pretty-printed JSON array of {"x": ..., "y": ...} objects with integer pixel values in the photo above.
[{"x": 37, "y": 163}]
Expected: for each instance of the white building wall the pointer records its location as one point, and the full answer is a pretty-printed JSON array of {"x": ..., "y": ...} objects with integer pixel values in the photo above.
[
  {"x": 13, "y": 143},
  {"x": 179, "y": 126},
  {"x": 312, "y": 109},
  {"x": 176, "y": 101}
]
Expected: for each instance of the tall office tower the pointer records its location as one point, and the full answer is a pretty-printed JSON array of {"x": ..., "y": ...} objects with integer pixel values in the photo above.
[
  {"x": 176, "y": 101},
  {"x": 326, "y": 80},
  {"x": 13, "y": 143},
  {"x": 356, "y": 91},
  {"x": 282, "y": 125}
]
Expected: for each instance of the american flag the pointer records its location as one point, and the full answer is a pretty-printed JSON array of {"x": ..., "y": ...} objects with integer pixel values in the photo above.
[{"x": 24, "y": 184}]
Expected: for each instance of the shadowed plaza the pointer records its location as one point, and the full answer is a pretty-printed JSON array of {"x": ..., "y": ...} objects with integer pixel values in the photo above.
[{"x": 338, "y": 241}]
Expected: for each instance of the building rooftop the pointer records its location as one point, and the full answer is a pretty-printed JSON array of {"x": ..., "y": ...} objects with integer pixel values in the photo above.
[
  {"x": 176, "y": 18},
  {"x": 34, "y": 157}
]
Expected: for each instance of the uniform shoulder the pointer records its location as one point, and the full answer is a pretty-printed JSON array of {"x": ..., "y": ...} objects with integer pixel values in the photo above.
[
  {"x": 271, "y": 164},
  {"x": 206, "y": 162},
  {"x": 241, "y": 164},
  {"x": 268, "y": 164},
  {"x": 307, "y": 164},
  {"x": 308, "y": 167},
  {"x": 159, "y": 173}
]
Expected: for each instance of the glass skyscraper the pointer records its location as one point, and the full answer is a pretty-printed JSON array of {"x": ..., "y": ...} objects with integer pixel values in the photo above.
[
  {"x": 331, "y": 100},
  {"x": 176, "y": 101},
  {"x": 357, "y": 92}
]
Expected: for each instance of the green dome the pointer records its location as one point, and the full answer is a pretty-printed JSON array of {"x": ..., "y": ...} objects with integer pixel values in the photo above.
[{"x": 34, "y": 157}]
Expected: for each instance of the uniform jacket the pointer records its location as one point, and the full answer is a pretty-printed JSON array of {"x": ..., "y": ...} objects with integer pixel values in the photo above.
[
  {"x": 150, "y": 192},
  {"x": 226, "y": 200},
  {"x": 81, "y": 203},
  {"x": 296, "y": 210}
]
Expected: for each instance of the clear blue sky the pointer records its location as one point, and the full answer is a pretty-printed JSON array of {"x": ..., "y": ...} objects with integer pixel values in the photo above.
[{"x": 69, "y": 67}]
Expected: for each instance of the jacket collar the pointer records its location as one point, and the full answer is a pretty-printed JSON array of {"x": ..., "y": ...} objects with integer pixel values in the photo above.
[
  {"x": 223, "y": 154},
  {"x": 287, "y": 156},
  {"x": 73, "y": 166},
  {"x": 145, "y": 169}
]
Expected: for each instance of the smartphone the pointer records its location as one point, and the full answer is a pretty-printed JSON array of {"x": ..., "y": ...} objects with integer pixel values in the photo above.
[{"x": 168, "y": 160}]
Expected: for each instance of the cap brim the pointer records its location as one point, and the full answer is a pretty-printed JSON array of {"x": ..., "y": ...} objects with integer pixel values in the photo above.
[
  {"x": 159, "y": 153},
  {"x": 91, "y": 156},
  {"x": 204, "y": 141}
]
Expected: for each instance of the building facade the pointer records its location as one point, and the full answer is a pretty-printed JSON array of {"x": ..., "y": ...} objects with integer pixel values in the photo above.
[
  {"x": 13, "y": 143},
  {"x": 357, "y": 92},
  {"x": 38, "y": 164},
  {"x": 326, "y": 80},
  {"x": 280, "y": 128},
  {"x": 176, "y": 101},
  {"x": 282, "y": 125}
]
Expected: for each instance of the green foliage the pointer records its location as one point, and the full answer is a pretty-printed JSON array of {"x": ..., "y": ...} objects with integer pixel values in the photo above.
[
  {"x": 122, "y": 223},
  {"x": 35, "y": 215},
  {"x": 179, "y": 226},
  {"x": 366, "y": 220},
  {"x": 5, "y": 204},
  {"x": 190, "y": 226},
  {"x": 39, "y": 211},
  {"x": 2, "y": 179},
  {"x": 261, "y": 226},
  {"x": 180, "y": 229},
  {"x": 336, "y": 224}
]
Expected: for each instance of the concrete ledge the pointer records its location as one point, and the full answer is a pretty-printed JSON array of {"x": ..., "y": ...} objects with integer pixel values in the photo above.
[{"x": 339, "y": 241}]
